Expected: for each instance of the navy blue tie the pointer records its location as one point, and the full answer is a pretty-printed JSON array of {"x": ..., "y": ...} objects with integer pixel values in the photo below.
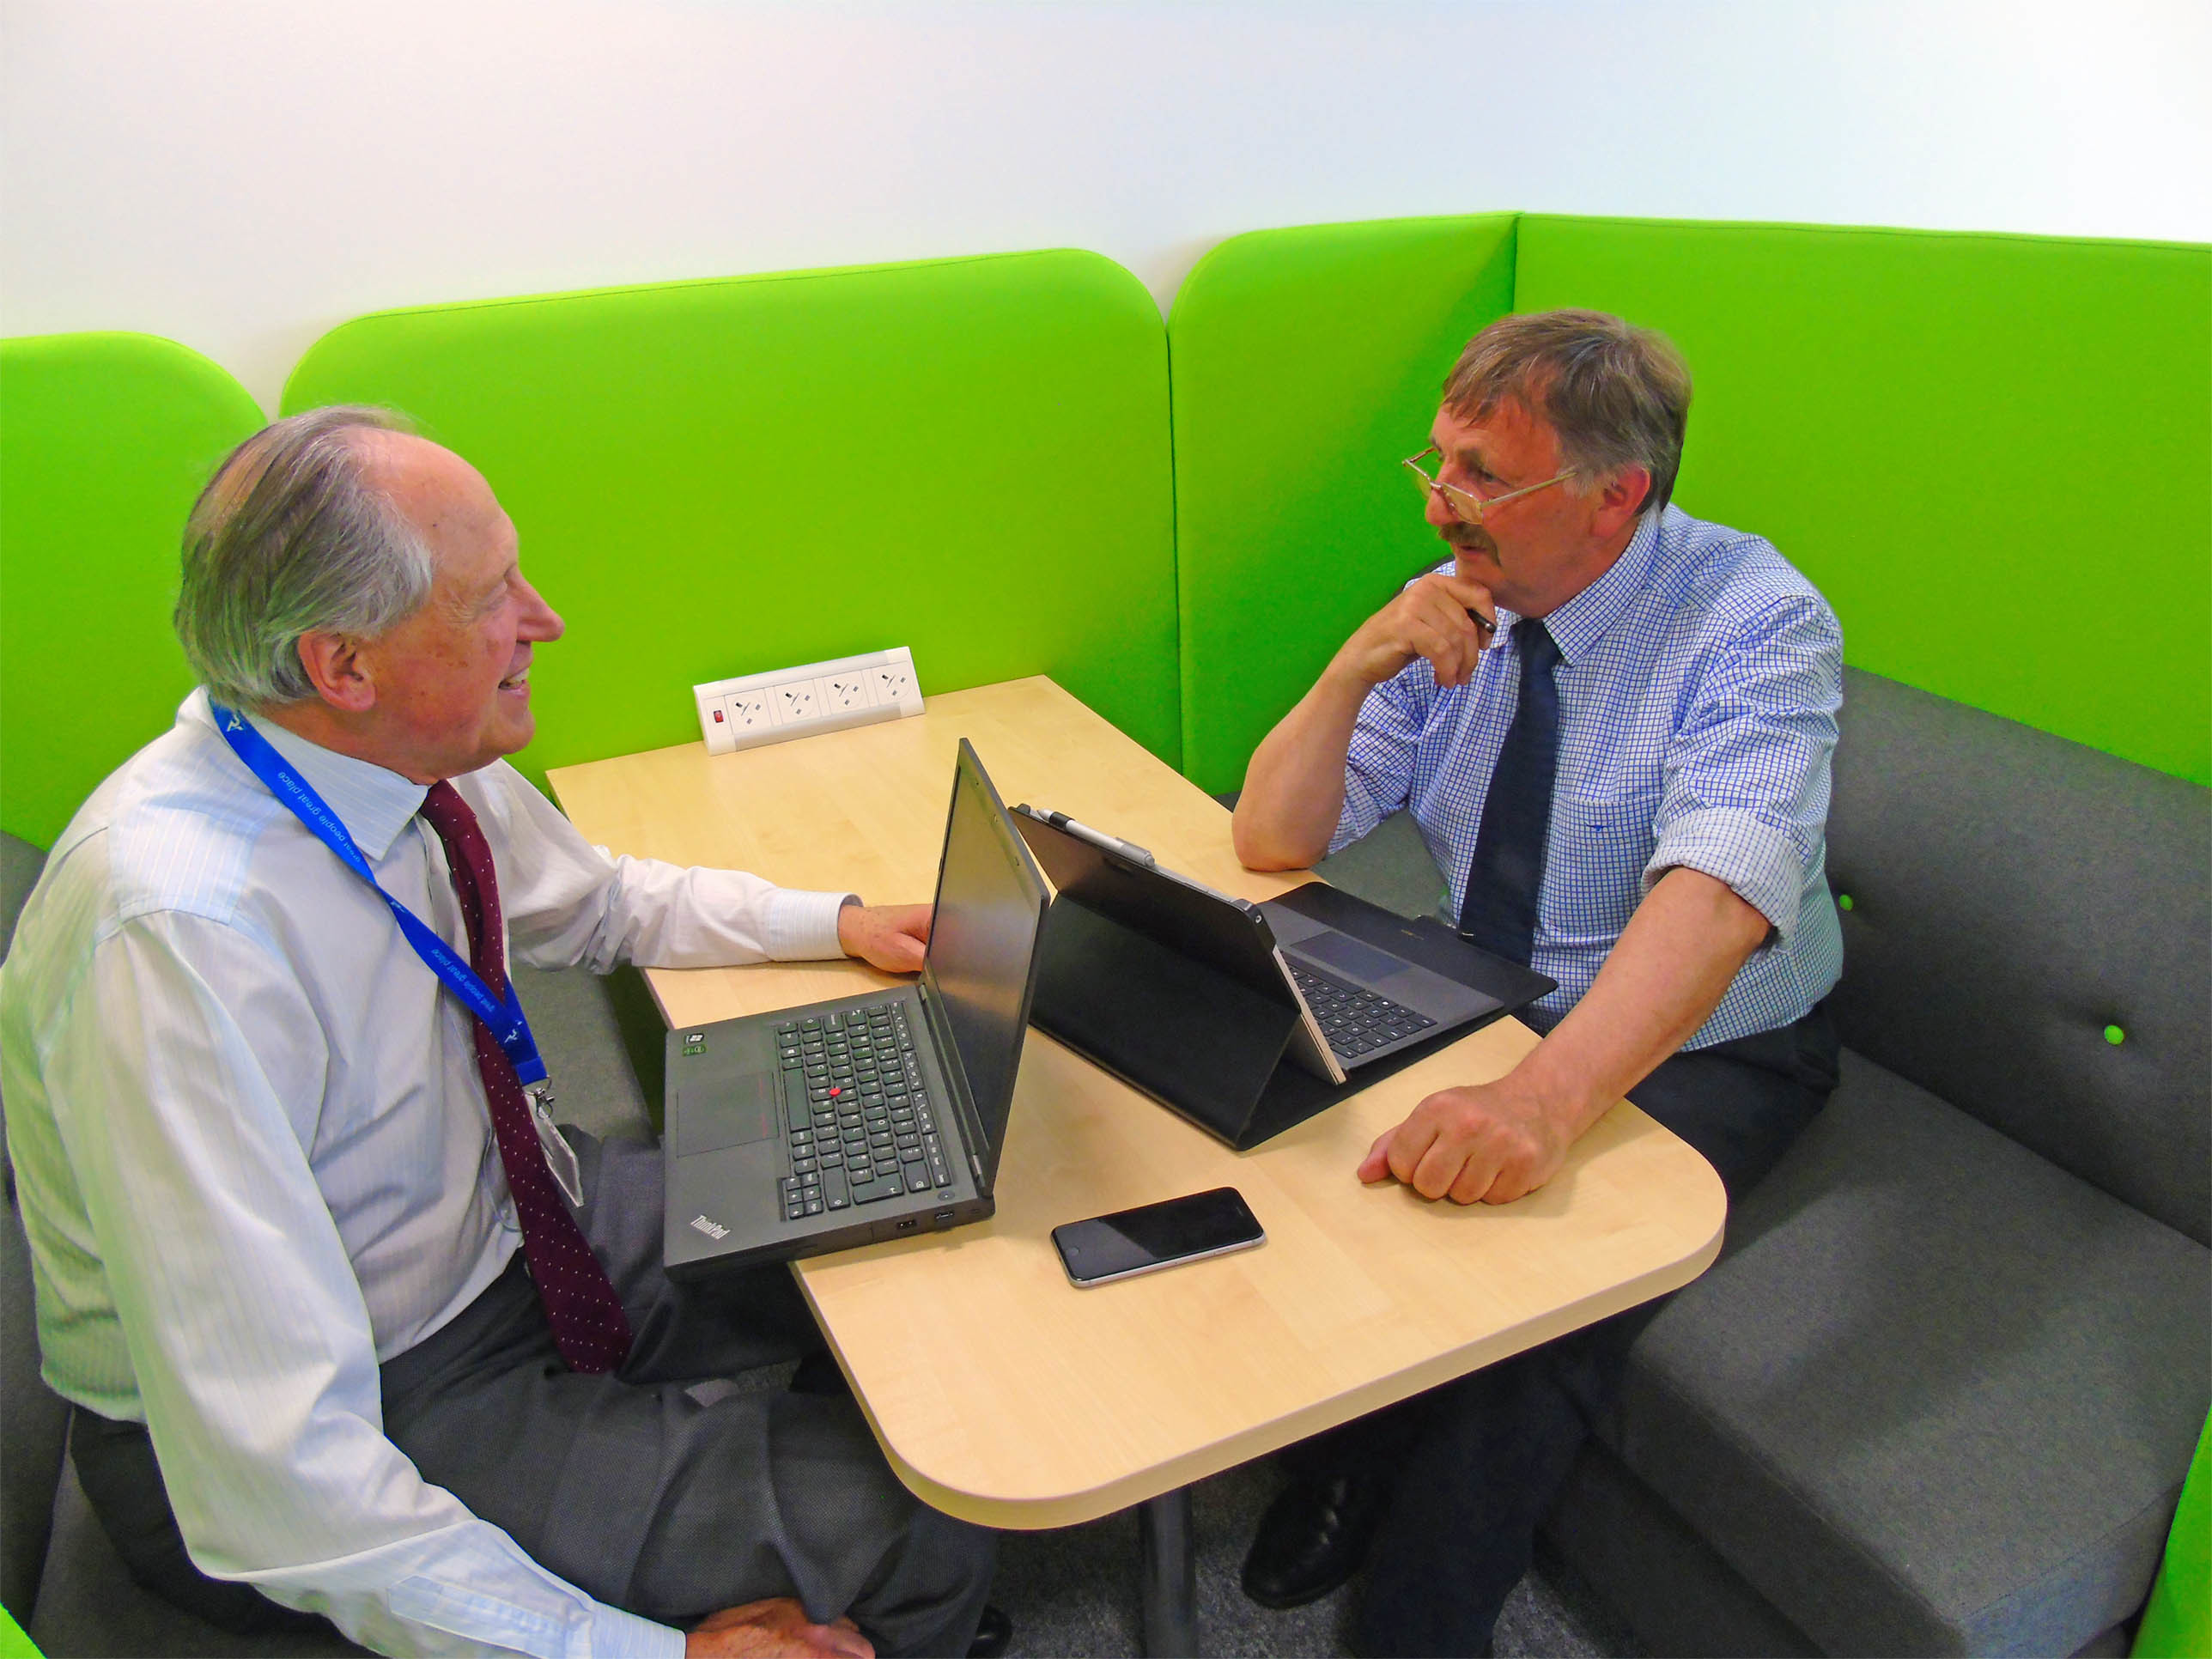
[{"x": 1507, "y": 870}]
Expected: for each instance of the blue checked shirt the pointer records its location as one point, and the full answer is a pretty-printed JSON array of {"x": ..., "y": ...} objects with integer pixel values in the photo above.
[{"x": 1698, "y": 683}]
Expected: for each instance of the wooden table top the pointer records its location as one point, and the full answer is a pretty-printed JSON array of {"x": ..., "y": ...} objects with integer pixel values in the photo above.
[{"x": 999, "y": 1392}]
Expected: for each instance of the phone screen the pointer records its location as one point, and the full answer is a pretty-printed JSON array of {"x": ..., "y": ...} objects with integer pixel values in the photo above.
[{"x": 1156, "y": 1236}]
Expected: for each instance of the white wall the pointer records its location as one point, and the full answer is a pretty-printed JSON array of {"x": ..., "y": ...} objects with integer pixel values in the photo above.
[{"x": 241, "y": 175}]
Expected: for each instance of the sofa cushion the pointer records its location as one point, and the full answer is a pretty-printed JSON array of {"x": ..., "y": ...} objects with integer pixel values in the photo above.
[
  {"x": 33, "y": 1422},
  {"x": 108, "y": 439},
  {"x": 2013, "y": 894},
  {"x": 593, "y": 1060},
  {"x": 1390, "y": 867},
  {"x": 89, "y": 1604},
  {"x": 1307, "y": 360},
  {"x": 32, "y": 1419},
  {"x": 1938, "y": 1395},
  {"x": 1030, "y": 395},
  {"x": 1855, "y": 386}
]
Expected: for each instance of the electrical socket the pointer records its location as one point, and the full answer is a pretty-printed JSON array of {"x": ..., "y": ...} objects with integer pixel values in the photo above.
[
  {"x": 797, "y": 703},
  {"x": 843, "y": 693},
  {"x": 749, "y": 714},
  {"x": 893, "y": 686}
]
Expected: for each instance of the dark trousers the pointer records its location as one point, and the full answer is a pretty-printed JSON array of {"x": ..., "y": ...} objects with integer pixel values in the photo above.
[
  {"x": 647, "y": 1492},
  {"x": 1478, "y": 1462}
]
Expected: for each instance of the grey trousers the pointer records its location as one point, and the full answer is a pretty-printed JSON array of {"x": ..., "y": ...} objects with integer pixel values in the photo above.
[{"x": 649, "y": 1493}]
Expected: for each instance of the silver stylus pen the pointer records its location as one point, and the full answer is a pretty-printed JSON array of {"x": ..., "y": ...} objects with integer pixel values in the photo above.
[{"x": 1114, "y": 844}]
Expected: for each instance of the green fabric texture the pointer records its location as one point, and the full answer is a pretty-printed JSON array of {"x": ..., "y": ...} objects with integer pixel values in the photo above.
[
  {"x": 1992, "y": 453},
  {"x": 1307, "y": 365},
  {"x": 105, "y": 441},
  {"x": 967, "y": 457},
  {"x": 2178, "y": 1622}
]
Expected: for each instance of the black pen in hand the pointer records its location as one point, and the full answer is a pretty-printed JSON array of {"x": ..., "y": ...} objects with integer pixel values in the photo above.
[{"x": 1487, "y": 628}]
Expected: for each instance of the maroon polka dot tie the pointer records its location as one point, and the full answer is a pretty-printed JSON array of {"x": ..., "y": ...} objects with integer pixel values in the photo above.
[{"x": 580, "y": 1305}]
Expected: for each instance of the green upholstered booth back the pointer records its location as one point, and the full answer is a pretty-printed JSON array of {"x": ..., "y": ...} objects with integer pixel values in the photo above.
[
  {"x": 105, "y": 441},
  {"x": 1992, "y": 453},
  {"x": 967, "y": 456},
  {"x": 1307, "y": 364}
]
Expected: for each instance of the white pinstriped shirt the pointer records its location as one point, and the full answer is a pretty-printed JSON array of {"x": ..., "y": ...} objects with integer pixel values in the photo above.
[
  {"x": 1698, "y": 681},
  {"x": 254, "y": 1158}
]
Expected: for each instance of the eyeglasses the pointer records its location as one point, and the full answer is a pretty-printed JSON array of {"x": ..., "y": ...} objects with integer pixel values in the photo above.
[{"x": 1465, "y": 506}]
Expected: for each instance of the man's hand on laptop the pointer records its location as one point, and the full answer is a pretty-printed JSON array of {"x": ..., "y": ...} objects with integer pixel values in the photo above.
[
  {"x": 1488, "y": 1143},
  {"x": 777, "y": 1629},
  {"x": 891, "y": 937}
]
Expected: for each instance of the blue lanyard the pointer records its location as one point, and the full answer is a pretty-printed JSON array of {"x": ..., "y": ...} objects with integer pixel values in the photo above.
[{"x": 503, "y": 1018}]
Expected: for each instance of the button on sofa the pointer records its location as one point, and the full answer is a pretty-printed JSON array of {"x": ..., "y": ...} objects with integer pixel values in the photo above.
[{"x": 1939, "y": 1393}]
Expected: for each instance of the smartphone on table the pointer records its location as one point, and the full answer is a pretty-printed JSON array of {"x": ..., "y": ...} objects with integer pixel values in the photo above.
[{"x": 1130, "y": 1241}]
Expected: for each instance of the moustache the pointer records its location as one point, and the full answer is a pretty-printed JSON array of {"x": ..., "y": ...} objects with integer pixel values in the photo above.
[{"x": 1467, "y": 538}]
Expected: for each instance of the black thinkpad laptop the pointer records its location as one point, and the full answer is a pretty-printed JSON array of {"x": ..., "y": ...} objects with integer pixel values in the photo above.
[{"x": 816, "y": 1128}]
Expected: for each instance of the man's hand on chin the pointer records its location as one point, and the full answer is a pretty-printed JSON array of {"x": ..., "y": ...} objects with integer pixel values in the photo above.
[
  {"x": 774, "y": 1630},
  {"x": 891, "y": 937},
  {"x": 1488, "y": 1143}
]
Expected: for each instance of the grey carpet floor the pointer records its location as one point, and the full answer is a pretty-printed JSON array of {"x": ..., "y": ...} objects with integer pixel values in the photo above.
[{"x": 1074, "y": 1591}]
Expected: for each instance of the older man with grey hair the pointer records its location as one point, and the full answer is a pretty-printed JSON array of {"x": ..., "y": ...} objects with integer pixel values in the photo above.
[
  {"x": 352, "y": 1328},
  {"x": 1613, "y": 724}
]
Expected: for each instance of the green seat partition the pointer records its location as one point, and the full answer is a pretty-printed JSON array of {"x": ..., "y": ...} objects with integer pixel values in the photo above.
[
  {"x": 1307, "y": 365},
  {"x": 105, "y": 441},
  {"x": 1992, "y": 453},
  {"x": 967, "y": 457}
]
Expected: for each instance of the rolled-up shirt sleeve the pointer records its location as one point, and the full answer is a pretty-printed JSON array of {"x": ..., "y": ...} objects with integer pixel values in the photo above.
[
  {"x": 567, "y": 903},
  {"x": 1746, "y": 795},
  {"x": 1378, "y": 768}
]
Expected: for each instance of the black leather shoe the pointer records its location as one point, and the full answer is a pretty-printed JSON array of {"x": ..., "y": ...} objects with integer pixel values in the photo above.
[
  {"x": 1313, "y": 1538},
  {"x": 993, "y": 1635}
]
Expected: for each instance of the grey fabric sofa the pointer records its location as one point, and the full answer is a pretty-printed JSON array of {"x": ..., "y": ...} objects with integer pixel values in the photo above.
[
  {"x": 1939, "y": 1392},
  {"x": 59, "y": 1575}
]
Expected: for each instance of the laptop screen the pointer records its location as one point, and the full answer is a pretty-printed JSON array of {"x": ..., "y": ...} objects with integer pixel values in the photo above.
[{"x": 983, "y": 944}]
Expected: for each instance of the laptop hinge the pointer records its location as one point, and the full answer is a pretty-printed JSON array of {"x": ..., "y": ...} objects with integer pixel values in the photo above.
[{"x": 956, "y": 1081}]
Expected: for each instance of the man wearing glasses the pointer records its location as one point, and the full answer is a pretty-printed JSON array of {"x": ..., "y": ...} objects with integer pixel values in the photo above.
[{"x": 1613, "y": 723}]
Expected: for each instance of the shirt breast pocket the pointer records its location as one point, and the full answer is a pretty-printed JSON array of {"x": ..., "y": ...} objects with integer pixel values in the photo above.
[{"x": 1595, "y": 880}]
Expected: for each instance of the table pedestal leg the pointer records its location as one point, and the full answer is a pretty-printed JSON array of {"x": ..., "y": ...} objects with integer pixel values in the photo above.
[{"x": 1170, "y": 1569}]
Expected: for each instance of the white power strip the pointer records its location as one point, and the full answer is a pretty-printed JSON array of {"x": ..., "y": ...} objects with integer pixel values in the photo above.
[{"x": 797, "y": 703}]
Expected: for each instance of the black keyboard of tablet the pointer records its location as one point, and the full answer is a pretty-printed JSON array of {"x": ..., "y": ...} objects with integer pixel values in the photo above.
[{"x": 1355, "y": 1022}]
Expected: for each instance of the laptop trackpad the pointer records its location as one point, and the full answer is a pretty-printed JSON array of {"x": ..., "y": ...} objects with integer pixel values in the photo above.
[
  {"x": 712, "y": 1113},
  {"x": 1362, "y": 962}
]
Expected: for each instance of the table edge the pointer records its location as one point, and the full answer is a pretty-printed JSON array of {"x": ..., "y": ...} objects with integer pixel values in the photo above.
[{"x": 1067, "y": 1508}]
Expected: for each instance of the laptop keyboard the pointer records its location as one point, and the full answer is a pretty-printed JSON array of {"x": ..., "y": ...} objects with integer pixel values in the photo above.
[
  {"x": 861, "y": 1126},
  {"x": 1355, "y": 1022}
]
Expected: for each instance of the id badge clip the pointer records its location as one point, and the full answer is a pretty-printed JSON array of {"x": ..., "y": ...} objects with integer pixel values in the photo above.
[{"x": 560, "y": 1156}]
